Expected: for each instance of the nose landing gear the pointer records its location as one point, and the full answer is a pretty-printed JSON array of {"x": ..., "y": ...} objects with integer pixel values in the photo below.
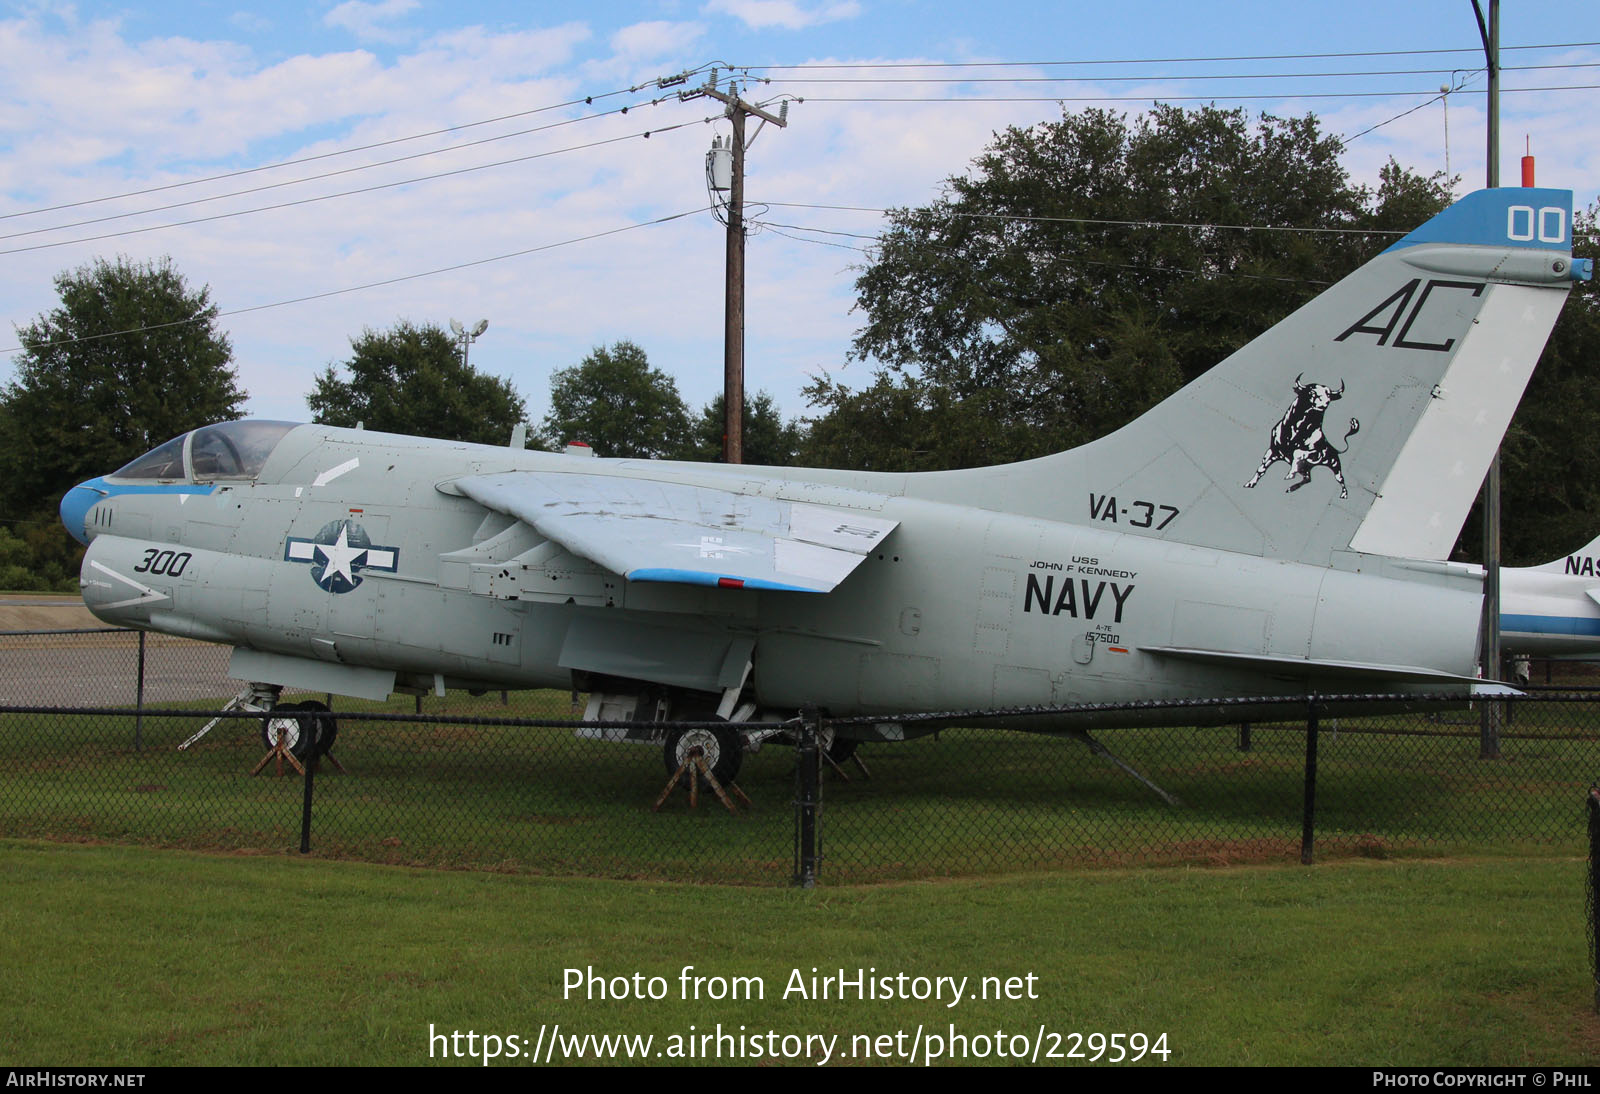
[{"x": 295, "y": 732}]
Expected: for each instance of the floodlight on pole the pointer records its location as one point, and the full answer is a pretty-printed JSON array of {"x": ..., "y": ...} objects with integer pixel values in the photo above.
[{"x": 465, "y": 337}]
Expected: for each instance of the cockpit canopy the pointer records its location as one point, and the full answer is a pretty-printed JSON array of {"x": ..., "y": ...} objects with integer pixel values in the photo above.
[{"x": 228, "y": 450}]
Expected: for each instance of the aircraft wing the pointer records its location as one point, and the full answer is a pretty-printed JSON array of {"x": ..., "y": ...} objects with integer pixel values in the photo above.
[{"x": 649, "y": 530}]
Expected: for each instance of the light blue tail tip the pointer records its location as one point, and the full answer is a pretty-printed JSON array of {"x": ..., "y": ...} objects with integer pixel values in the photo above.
[
  {"x": 1583, "y": 269},
  {"x": 1512, "y": 216}
]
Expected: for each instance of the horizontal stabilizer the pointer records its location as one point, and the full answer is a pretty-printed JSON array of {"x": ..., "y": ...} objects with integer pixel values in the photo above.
[
  {"x": 648, "y": 530},
  {"x": 1491, "y": 689},
  {"x": 1310, "y": 667}
]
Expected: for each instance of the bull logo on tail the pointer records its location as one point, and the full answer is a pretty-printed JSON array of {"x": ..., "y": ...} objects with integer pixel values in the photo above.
[{"x": 1299, "y": 441}]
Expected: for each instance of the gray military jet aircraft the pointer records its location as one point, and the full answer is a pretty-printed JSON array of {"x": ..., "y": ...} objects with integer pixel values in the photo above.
[{"x": 1277, "y": 525}]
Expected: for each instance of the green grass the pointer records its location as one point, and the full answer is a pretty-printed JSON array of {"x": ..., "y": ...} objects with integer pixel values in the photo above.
[{"x": 132, "y": 957}]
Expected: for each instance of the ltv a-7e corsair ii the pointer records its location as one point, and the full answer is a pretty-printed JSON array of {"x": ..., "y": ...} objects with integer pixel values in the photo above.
[{"x": 1278, "y": 525}]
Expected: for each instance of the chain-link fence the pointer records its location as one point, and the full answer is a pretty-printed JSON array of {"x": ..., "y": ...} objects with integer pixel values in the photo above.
[
  {"x": 438, "y": 790},
  {"x": 1592, "y": 916},
  {"x": 1207, "y": 793},
  {"x": 509, "y": 783}
]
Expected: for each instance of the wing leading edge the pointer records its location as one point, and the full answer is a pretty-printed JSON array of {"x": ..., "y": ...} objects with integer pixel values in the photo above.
[{"x": 649, "y": 530}]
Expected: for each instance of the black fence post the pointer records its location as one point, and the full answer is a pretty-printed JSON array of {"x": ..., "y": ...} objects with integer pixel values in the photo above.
[
  {"x": 138, "y": 701},
  {"x": 1593, "y": 907},
  {"x": 808, "y": 793},
  {"x": 1308, "y": 822},
  {"x": 316, "y": 729}
]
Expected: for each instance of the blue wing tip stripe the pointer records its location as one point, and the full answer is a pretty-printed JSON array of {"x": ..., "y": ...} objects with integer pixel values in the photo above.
[{"x": 700, "y": 577}]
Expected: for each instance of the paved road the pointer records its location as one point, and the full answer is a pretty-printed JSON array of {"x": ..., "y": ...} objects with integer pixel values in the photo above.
[
  {"x": 102, "y": 670},
  {"x": 21, "y": 612}
]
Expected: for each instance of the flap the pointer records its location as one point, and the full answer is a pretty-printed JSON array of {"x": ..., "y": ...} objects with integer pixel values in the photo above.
[{"x": 649, "y": 530}]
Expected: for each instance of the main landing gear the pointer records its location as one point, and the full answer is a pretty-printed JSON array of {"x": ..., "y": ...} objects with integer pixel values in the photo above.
[{"x": 712, "y": 754}]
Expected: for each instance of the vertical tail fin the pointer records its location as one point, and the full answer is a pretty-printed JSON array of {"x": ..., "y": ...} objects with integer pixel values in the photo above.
[
  {"x": 1585, "y": 561},
  {"x": 1364, "y": 421}
]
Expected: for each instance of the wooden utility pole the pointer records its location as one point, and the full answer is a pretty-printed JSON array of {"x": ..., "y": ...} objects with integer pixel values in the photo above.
[
  {"x": 733, "y": 328},
  {"x": 733, "y": 309}
]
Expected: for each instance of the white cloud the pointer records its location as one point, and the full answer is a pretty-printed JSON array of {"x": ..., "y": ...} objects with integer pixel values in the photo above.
[
  {"x": 645, "y": 41},
  {"x": 250, "y": 22},
  {"x": 367, "y": 20},
  {"x": 785, "y": 14},
  {"x": 502, "y": 54}
]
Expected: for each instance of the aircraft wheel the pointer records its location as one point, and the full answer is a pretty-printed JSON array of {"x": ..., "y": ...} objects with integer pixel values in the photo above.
[
  {"x": 290, "y": 723},
  {"x": 329, "y": 728},
  {"x": 282, "y": 723},
  {"x": 722, "y": 748}
]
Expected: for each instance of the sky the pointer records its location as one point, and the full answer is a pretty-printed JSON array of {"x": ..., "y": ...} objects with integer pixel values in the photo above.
[{"x": 327, "y": 168}]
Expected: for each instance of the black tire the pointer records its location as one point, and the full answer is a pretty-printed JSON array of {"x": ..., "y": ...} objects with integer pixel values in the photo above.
[
  {"x": 294, "y": 719},
  {"x": 328, "y": 728},
  {"x": 724, "y": 751}
]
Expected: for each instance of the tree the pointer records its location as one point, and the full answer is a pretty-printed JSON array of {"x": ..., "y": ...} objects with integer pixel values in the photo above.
[
  {"x": 1087, "y": 268},
  {"x": 130, "y": 358},
  {"x": 899, "y": 423},
  {"x": 768, "y": 439},
  {"x": 616, "y": 403},
  {"x": 412, "y": 380}
]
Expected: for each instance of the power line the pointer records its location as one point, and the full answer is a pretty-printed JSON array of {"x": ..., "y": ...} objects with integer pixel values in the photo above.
[
  {"x": 1176, "y": 77},
  {"x": 360, "y": 288},
  {"x": 327, "y": 174},
  {"x": 775, "y": 229},
  {"x": 820, "y": 231},
  {"x": 587, "y": 100},
  {"x": 1277, "y": 97},
  {"x": 362, "y": 190},
  {"x": 668, "y": 81},
  {"x": 1143, "y": 78},
  {"x": 1474, "y": 50},
  {"x": 1429, "y": 102},
  {"x": 1097, "y": 221},
  {"x": 1169, "y": 270}
]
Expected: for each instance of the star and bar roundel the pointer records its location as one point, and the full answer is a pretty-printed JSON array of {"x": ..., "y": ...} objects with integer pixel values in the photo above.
[{"x": 338, "y": 553}]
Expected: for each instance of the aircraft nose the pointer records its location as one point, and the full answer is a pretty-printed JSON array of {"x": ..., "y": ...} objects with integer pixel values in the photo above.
[{"x": 75, "y": 506}]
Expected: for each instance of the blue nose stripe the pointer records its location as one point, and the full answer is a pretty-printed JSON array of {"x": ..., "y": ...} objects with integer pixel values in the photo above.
[
  {"x": 75, "y": 506},
  {"x": 77, "y": 502}
]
